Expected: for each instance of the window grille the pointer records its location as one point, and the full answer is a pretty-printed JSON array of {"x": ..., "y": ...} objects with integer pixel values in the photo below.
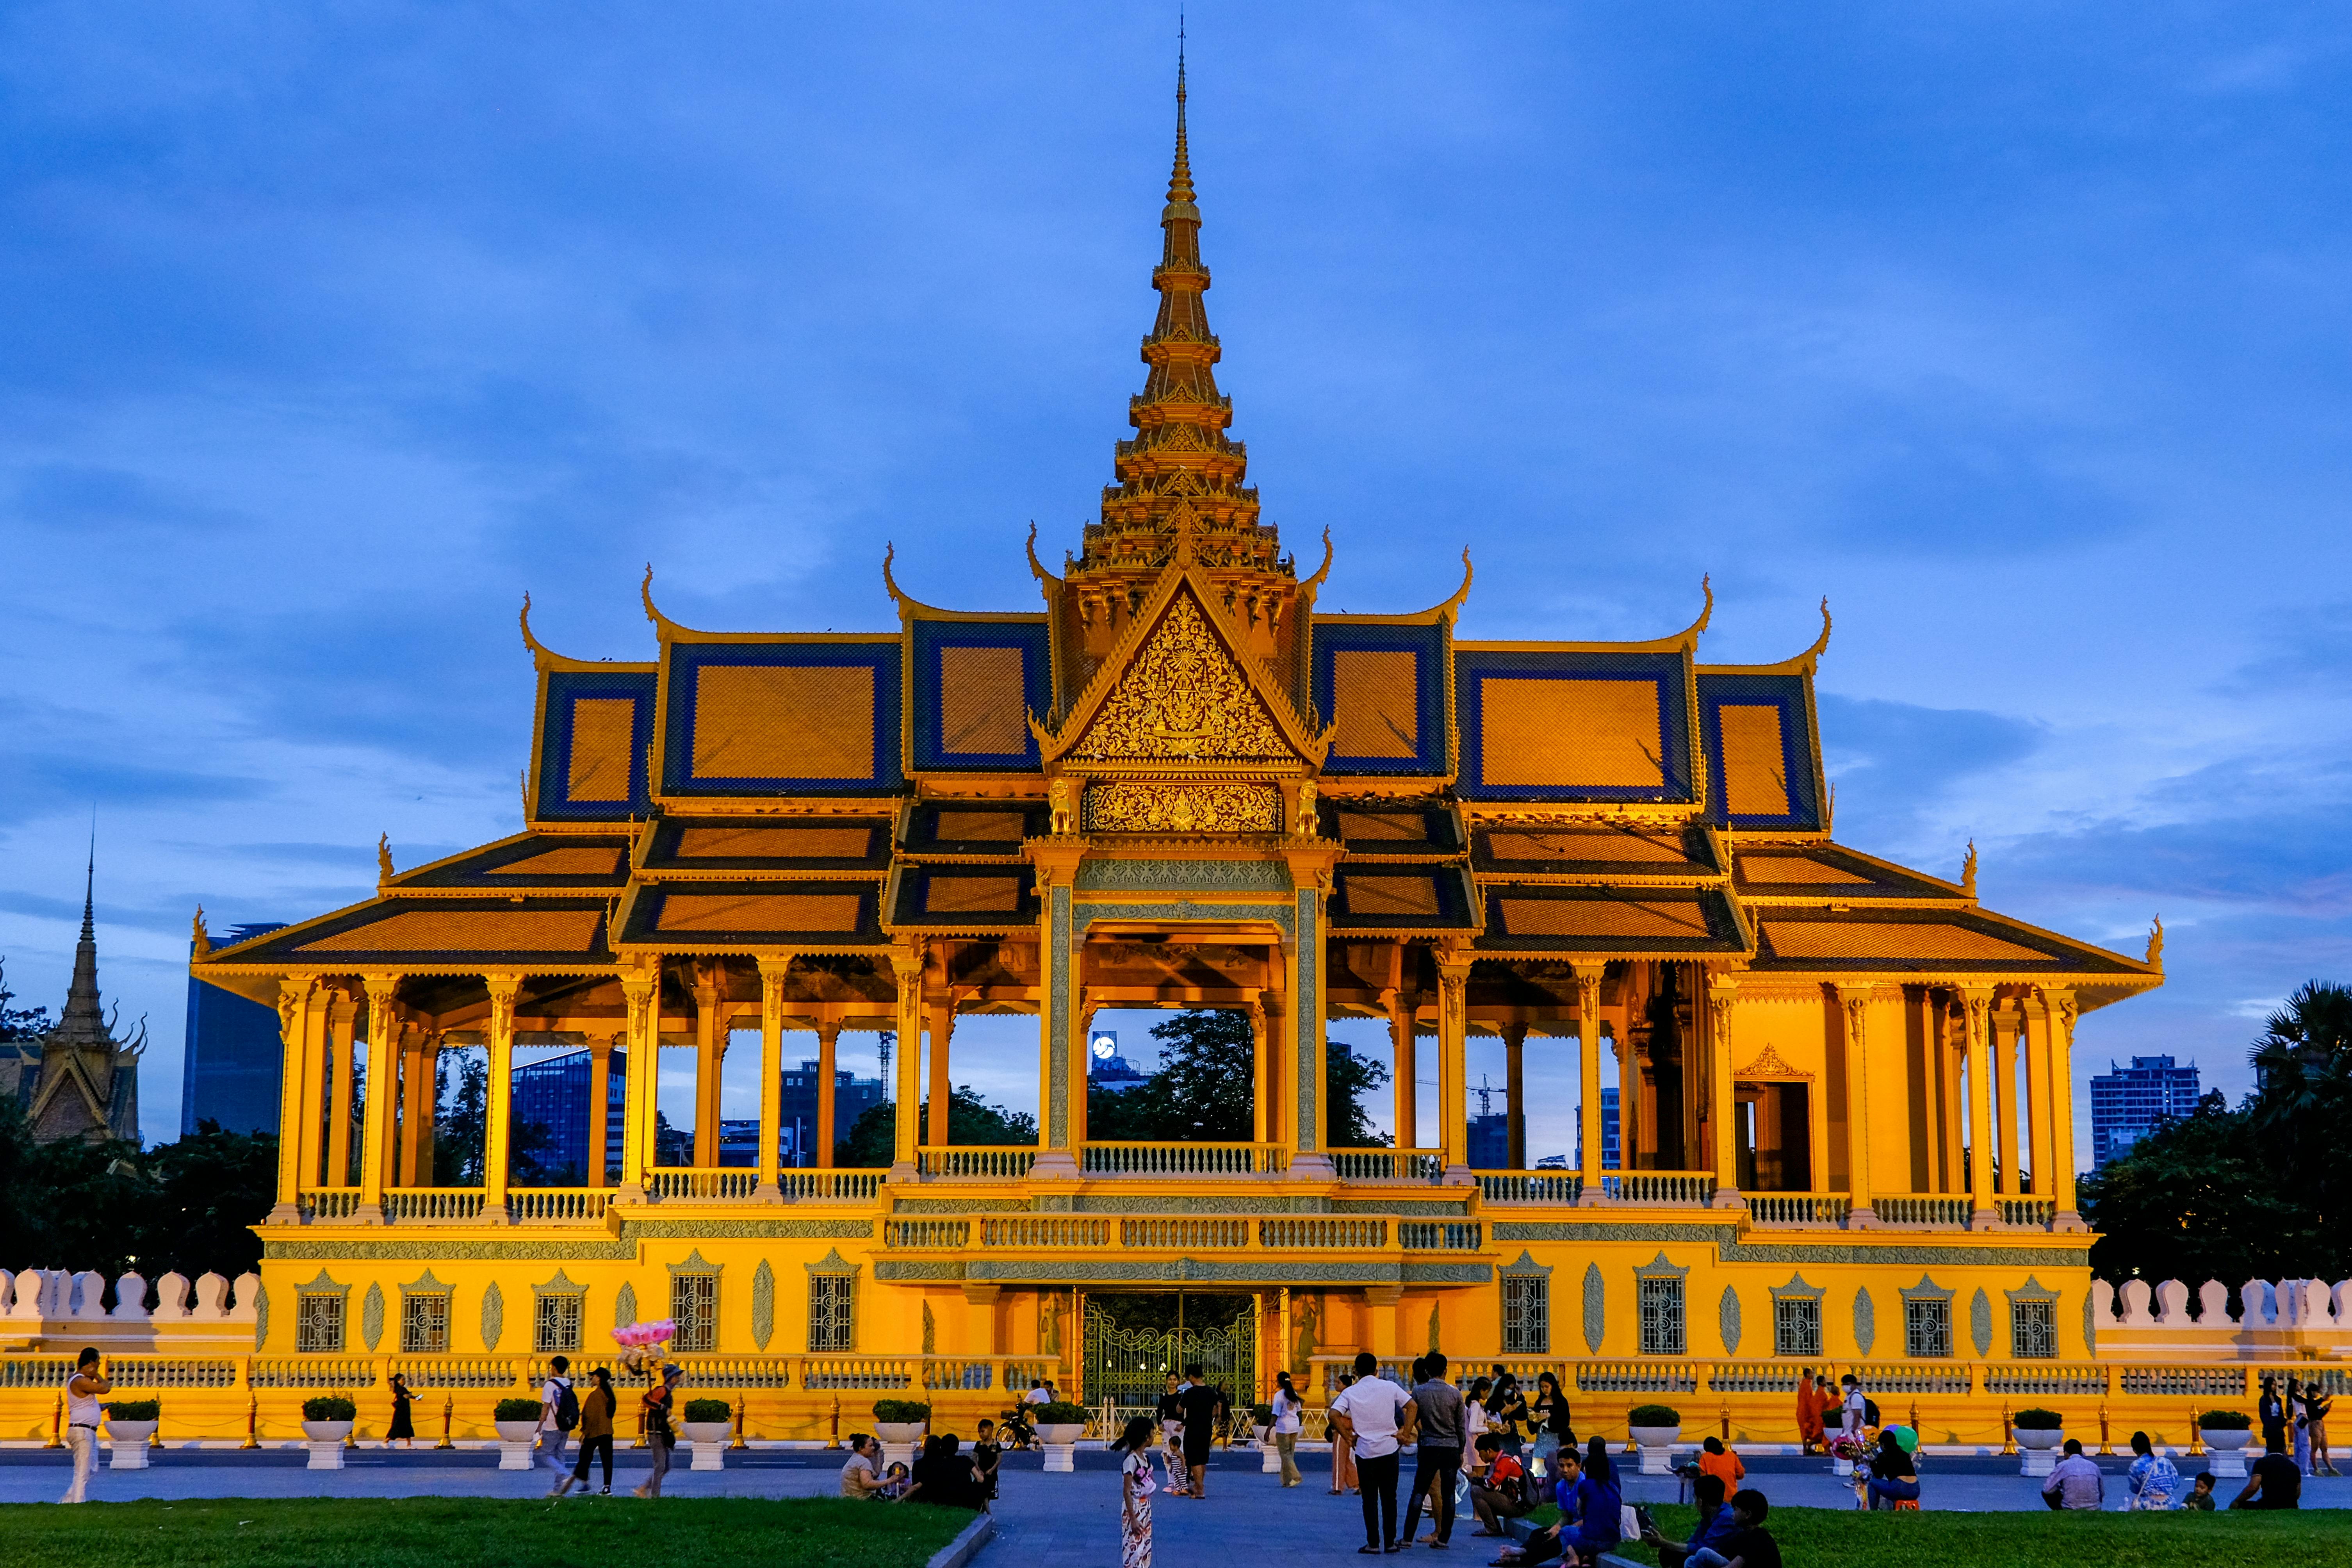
[
  {"x": 1527, "y": 1315},
  {"x": 2033, "y": 1331},
  {"x": 319, "y": 1323},
  {"x": 1926, "y": 1329},
  {"x": 833, "y": 1318},
  {"x": 425, "y": 1325},
  {"x": 694, "y": 1306},
  {"x": 1662, "y": 1317},
  {"x": 559, "y": 1324},
  {"x": 1796, "y": 1326}
]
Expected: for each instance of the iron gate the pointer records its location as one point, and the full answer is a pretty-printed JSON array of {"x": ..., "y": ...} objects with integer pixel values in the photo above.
[{"x": 1128, "y": 1368}]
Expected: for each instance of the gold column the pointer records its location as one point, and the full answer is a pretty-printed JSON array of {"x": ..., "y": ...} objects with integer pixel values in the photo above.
[
  {"x": 600, "y": 1112},
  {"x": 1855, "y": 1005},
  {"x": 1261, "y": 1077},
  {"x": 828, "y": 1036},
  {"x": 2005, "y": 1020},
  {"x": 1408, "y": 1093},
  {"x": 384, "y": 1069},
  {"x": 2061, "y": 1108},
  {"x": 428, "y": 1149},
  {"x": 1279, "y": 1103},
  {"x": 1452, "y": 1064},
  {"x": 1723, "y": 1101},
  {"x": 1587, "y": 1065},
  {"x": 413, "y": 1090},
  {"x": 935, "y": 1133},
  {"x": 498, "y": 1115},
  {"x": 772, "y": 971},
  {"x": 709, "y": 1059},
  {"x": 1976, "y": 1018},
  {"x": 2037, "y": 1092},
  {"x": 342, "y": 1042},
  {"x": 1515, "y": 1094},
  {"x": 1080, "y": 1063},
  {"x": 907, "y": 967},
  {"x": 295, "y": 1078},
  {"x": 643, "y": 991}
]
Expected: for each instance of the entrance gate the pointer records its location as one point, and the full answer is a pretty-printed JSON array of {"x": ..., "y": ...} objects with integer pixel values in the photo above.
[{"x": 1127, "y": 1368}]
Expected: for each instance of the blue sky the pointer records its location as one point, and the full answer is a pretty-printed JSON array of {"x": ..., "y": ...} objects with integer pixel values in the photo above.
[{"x": 2017, "y": 330}]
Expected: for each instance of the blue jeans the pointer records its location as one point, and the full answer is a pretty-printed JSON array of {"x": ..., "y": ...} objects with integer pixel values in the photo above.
[{"x": 1895, "y": 1491}]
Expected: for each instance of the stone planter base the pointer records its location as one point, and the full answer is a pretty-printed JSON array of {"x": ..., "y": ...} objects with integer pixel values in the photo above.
[
  {"x": 1059, "y": 1457},
  {"x": 2226, "y": 1453},
  {"x": 709, "y": 1456},
  {"x": 325, "y": 1456},
  {"x": 2040, "y": 1459},
  {"x": 515, "y": 1456},
  {"x": 1272, "y": 1461},
  {"x": 126, "y": 1454},
  {"x": 1657, "y": 1446}
]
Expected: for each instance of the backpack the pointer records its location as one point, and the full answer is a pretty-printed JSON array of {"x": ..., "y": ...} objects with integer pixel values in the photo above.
[
  {"x": 567, "y": 1408},
  {"x": 1870, "y": 1413}
]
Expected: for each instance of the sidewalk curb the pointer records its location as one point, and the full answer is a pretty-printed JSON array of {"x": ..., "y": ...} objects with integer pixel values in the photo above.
[{"x": 965, "y": 1546}]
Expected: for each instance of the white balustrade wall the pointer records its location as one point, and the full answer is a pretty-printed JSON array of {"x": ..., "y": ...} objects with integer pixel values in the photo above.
[
  {"x": 2271, "y": 1319},
  {"x": 52, "y": 1302}
]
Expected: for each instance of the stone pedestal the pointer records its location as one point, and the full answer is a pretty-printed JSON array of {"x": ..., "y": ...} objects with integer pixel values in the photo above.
[
  {"x": 325, "y": 1456},
  {"x": 515, "y": 1456},
  {"x": 1059, "y": 1457},
  {"x": 1271, "y": 1464},
  {"x": 2226, "y": 1453},
  {"x": 709, "y": 1456},
  {"x": 126, "y": 1454}
]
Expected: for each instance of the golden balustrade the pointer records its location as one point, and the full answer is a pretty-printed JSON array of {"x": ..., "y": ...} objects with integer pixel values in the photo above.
[{"x": 976, "y": 1162}]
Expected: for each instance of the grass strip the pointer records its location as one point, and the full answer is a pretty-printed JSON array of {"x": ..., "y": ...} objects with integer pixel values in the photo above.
[{"x": 1851, "y": 1538}]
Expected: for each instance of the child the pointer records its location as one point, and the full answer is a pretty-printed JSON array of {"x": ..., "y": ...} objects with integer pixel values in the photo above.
[
  {"x": 894, "y": 1481},
  {"x": 2200, "y": 1494}
]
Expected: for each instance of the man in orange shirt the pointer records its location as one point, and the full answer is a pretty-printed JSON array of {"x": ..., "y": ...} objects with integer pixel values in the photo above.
[
  {"x": 1715, "y": 1459},
  {"x": 1809, "y": 1412}
]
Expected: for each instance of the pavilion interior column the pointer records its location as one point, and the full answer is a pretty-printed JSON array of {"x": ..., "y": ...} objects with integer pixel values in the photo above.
[
  {"x": 1401, "y": 1045},
  {"x": 828, "y": 1038},
  {"x": 1976, "y": 1017},
  {"x": 1587, "y": 1065},
  {"x": 2061, "y": 1108},
  {"x": 396, "y": 1055},
  {"x": 2037, "y": 1093},
  {"x": 341, "y": 1045},
  {"x": 772, "y": 971},
  {"x": 710, "y": 1059},
  {"x": 383, "y": 1071},
  {"x": 942, "y": 1015},
  {"x": 1261, "y": 1082},
  {"x": 498, "y": 1113},
  {"x": 1723, "y": 1105},
  {"x": 2005, "y": 1020},
  {"x": 641, "y": 990},
  {"x": 1269, "y": 1009},
  {"x": 1080, "y": 1062},
  {"x": 907, "y": 967},
  {"x": 1952, "y": 1038},
  {"x": 413, "y": 1080},
  {"x": 1853, "y": 1010},
  {"x": 1454, "y": 1064},
  {"x": 297, "y": 1075},
  {"x": 1515, "y": 1094},
  {"x": 600, "y": 1113}
]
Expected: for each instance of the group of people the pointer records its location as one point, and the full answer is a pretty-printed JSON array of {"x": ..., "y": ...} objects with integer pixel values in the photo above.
[
  {"x": 1189, "y": 1414},
  {"x": 2296, "y": 1423},
  {"x": 942, "y": 1473}
]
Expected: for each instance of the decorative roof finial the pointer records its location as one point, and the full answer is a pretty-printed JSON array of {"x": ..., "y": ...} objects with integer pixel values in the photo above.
[
  {"x": 1969, "y": 871},
  {"x": 202, "y": 938},
  {"x": 1179, "y": 177},
  {"x": 2154, "y": 958},
  {"x": 383, "y": 871}
]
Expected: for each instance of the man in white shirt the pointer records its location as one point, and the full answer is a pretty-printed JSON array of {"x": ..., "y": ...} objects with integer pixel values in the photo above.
[
  {"x": 82, "y": 1415},
  {"x": 1855, "y": 1409},
  {"x": 1372, "y": 1413},
  {"x": 553, "y": 1434}
]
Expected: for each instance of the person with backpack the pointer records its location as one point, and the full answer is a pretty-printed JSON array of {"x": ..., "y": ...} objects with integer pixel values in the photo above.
[
  {"x": 559, "y": 1413},
  {"x": 596, "y": 1413}
]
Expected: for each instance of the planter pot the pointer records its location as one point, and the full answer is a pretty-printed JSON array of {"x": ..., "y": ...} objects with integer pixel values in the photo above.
[
  {"x": 1657, "y": 1446},
  {"x": 709, "y": 1440},
  {"x": 326, "y": 1443},
  {"x": 1271, "y": 1457},
  {"x": 898, "y": 1440},
  {"x": 2226, "y": 1451},
  {"x": 1061, "y": 1439},
  {"x": 515, "y": 1439},
  {"x": 2040, "y": 1446},
  {"x": 127, "y": 1445}
]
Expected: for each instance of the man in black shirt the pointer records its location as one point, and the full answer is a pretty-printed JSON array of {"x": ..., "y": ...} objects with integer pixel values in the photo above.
[
  {"x": 2272, "y": 1481},
  {"x": 1199, "y": 1406},
  {"x": 1753, "y": 1547}
]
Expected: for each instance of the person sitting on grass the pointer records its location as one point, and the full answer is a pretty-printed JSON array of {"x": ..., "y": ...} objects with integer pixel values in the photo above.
[
  {"x": 1590, "y": 1502},
  {"x": 1717, "y": 1526},
  {"x": 1753, "y": 1546},
  {"x": 2200, "y": 1494},
  {"x": 1500, "y": 1496},
  {"x": 2074, "y": 1481},
  {"x": 1893, "y": 1477},
  {"x": 2155, "y": 1480},
  {"x": 2272, "y": 1481},
  {"x": 895, "y": 1481},
  {"x": 862, "y": 1476}
]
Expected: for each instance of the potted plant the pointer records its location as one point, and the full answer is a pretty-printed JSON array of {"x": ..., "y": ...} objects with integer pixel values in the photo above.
[
  {"x": 703, "y": 1423},
  {"x": 2039, "y": 1434},
  {"x": 1654, "y": 1428},
  {"x": 326, "y": 1422},
  {"x": 129, "y": 1424},
  {"x": 898, "y": 1425},
  {"x": 517, "y": 1421},
  {"x": 1059, "y": 1427},
  {"x": 2226, "y": 1434}
]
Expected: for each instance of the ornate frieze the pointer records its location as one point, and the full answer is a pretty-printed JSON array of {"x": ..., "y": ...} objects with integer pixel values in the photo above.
[
  {"x": 1114, "y": 805},
  {"x": 1181, "y": 699}
]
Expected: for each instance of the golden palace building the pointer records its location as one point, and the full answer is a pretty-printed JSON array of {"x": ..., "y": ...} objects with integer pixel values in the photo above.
[{"x": 1177, "y": 782}]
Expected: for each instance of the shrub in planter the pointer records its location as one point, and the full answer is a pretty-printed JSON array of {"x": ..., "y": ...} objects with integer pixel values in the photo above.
[
  {"x": 707, "y": 1410},
  {"x": 135, "y": 1410},
  {"x": 1261, "y": 1414},
  {"x": 903, "y": 1411},
  {"x": 517, "y": 1410},
  {"x": 332, "y": 1408},
  {"x": 2225, "y": 1421},
  {"x": 1654, "y": 1416},
  {"x": 1060, "y": 1412},
  {"x": 2038, "y": 1421}
]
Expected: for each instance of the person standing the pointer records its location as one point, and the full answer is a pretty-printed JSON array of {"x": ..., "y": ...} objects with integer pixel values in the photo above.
[
  {"x": 559, "y": 1413},
  {"x": 2271, "y": 1413},
  {"x": 1809, "y": 1413},
  {"x": 1371, "y": 1412},
  {"x": 1170, "y": 1415},
  {"x": 1827, "y": 1406},
  {"x": 658, "y": 1438},
  {"x": 404, "y": 1425},
  {"x": 1201, "y": 1406},
  {"x": 2299, "y": 1422},
  {"x": 1343, "y": 1452},
  {"x": 596, "y": 1413},
  {"x": 82, "y": 1392},
  {"x": 1288, "y": 1411},
  {"x": 1855, "y": 1410},
  {"x": 2315, "y": 1407},
  {"x": 1135, "y": 1488},
  {"x": 1439, "y": 1412},
  {"x": 987, "y": 1454},
  {"x": 1555, "y": 1432}
]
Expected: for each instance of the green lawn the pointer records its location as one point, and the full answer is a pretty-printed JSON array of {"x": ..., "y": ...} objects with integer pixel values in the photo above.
[
  {"x": 1849, "y": 1538},
  {"x": 449, "y": 1533}
]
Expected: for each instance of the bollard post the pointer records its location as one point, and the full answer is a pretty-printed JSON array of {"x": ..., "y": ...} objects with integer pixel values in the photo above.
[
  {"x": 58, "y": 1426},
  {"x": 155, "y": 1438},
  {"x": 739, "y": 1442},
  {"x": 1726, "y": 1426},
  {"x": 2008, "y": 1434},
  {"x": 252, "y": 1420},
  {"x": 448, "y": 1410},
  {"x": 1915, "y": 1419},
  {"x": 641, "y": 1426},
  {"x": 351, "y": 1437},
  {"x": 2106, "y": 1448},
  {"x": 834, "y": 1442}
]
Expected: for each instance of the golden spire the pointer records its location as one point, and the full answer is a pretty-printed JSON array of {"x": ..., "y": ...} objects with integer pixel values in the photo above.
[{"x": 1179, "y": 460}]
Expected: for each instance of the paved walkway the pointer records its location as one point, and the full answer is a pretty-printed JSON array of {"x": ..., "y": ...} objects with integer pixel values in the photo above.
[{"x": 1044, "y": 1521}]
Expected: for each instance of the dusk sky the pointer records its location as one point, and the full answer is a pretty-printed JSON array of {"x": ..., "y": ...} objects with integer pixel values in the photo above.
[{"x": 2018, "y": 331}]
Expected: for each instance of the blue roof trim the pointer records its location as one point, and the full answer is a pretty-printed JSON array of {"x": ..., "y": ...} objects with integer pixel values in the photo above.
[
  {"x": 683, "y": 666},
  {"x": 564, "y": 688},
  {"x": 1668, "y": 671},
  {"x": 1789, "y": 693},
  {"x": 934, "y": 637},
  {"x": 1428, "y": 642}
]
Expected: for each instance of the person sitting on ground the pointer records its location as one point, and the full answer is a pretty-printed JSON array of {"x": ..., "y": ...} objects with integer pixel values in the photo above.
[
  {"x": 2200, "y": 1494},
  {"x": 895, "y": 1481},
  {"x": 1500, "y": 1496},
  {"x": 2074, "y": 1482},
  {"x": 1716, "y": 1527},
  {"x": 862, "y": 1476},
  {"x": 2272, "y": 1481},
  {"x": 2155, "y": 1480},
  {"x": 1715, "y": 1459},
  {"x": 1751, "y": 1546},
  {"x": 1591, "y": 1502},
  {"x": 1893, "y": 1477}
]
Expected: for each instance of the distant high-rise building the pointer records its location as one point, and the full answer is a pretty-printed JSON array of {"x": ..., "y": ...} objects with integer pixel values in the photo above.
[
  {"x": 229, "y": 1070},
  {"x": 853, "y": 1096},
  {"x": 1106, "y": 1069},
  {"x": 1490, "y": 1142},
  {"x": 2127, "y": 1102},
  {"x": 552, "y": 1092},
  {"x": 1608, "y": 1133}
]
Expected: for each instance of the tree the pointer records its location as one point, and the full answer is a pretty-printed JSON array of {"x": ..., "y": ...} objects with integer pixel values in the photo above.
[
  {"x": 872, "y": 1144},
  {"x": 1347, "y": 1079},
  {"x": 211, "y": 1188},
  {"x": 20, "y": 1023},
  {"x": 461, "y": 1120},
  {"x": 1203, "y": 1091},
  {"x": 2191, "y": 1201}
]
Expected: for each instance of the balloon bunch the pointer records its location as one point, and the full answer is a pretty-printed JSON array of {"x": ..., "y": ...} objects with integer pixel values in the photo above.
[{"x": 643, "y": 1343}]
